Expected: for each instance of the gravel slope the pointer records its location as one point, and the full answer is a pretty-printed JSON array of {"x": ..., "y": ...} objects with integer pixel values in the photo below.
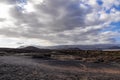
[{"x": 26, "y": 68}]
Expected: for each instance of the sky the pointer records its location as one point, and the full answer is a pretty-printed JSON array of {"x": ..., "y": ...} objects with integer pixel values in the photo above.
[{"x": 59, "y": 22}]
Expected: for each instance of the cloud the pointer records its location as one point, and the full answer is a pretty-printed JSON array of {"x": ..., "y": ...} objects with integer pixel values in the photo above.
[
  {"x": 2, "y": 19},
  {"x": 110, "y": 3},
  {"x": 55, "y": 15},
  {"x": 61, "y": 21}
]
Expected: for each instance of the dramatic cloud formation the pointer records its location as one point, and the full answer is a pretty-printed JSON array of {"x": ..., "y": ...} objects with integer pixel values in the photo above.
[{"x": 58, "y": 22}]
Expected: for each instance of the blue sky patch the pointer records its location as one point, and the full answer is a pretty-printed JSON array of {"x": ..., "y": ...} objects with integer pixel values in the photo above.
[
  {"x": 99, "y": 2},
  {"x": 114, "y": 26}
]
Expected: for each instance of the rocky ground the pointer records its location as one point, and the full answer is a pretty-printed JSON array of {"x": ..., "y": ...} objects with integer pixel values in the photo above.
[{"x": 27, "y": 68}]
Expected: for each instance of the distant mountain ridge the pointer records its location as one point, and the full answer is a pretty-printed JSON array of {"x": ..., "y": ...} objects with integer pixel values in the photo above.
[
  {"x": 34, "y": 48},
  {"x": 115, "y": 47},
  {"x": 83, "y": 47},
  {"x": 30, "y": 48},
  {"x": 80, "y": 47}
]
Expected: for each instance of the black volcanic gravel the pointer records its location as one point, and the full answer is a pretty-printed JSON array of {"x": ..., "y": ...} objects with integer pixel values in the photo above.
[{"x": 27, "y": 72}]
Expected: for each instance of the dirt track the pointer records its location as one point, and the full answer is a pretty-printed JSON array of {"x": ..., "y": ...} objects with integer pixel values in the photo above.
[{"x": 26, "y": 68}]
